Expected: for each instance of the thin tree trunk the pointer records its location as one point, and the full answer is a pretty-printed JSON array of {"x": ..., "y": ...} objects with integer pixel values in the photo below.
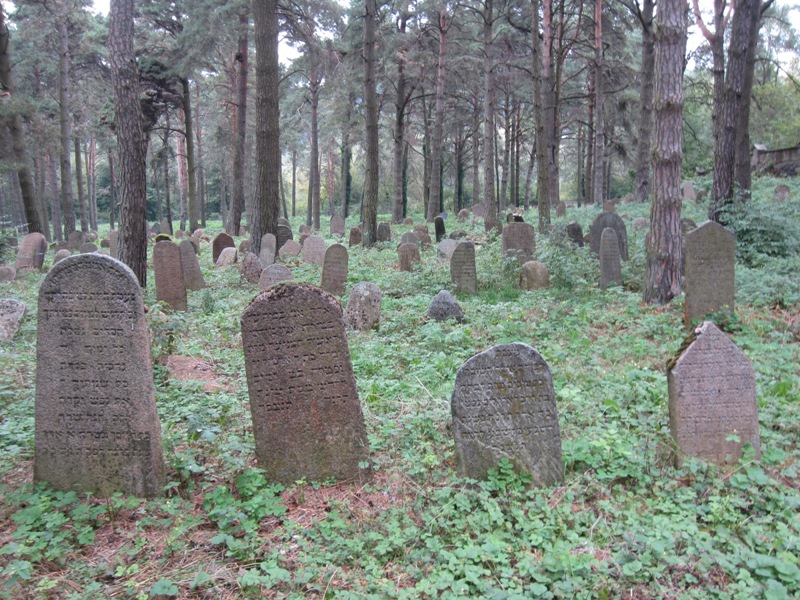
[
  {"x": 65, "y": 119},
  {"x": 183, "y": 178},
  {"x": 529, "y": 177},
  {"x": 641, "y": 191},
  {"x": 599, "y": 137},
  {"x": 81, "y": 195},
  {"x": 370, "y": 202},
  {"x": 294, "y": 182},
  {"x": 488, "y": 112},
  {"x": 112, "y": 192},
  {"x": 55, "y": 205},
  {"x": 191, "y": 174},
  {"x": 476, "y": 137},
  {"x": 314, "y": 175},
  {"x": 237, "y": 200},
  {"x": 201, "y": 176},
  {"x": 41, "y": 177},
  {"x": 166, "y": 150},
  {"x": 399, "y": 128},
  {"x": 438, "y": 124}
]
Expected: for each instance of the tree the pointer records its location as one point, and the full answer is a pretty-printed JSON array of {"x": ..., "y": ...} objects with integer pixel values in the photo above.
[
  {"x": 370, "y": 205},
  {"x": 663, "y": 281},
  {"x": 237, "y": 198},
  {"x": 436, "y": 151}
]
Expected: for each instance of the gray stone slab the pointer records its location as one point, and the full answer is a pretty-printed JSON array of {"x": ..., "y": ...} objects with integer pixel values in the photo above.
[
  {"x": 363, "y": 310},
  {"x": 273, "y": 274},
  {"x": 519, "y": 241},
  {"x": 11, "y": 313},
  {"x": 334, "y": 269},
  {"x": 462, "y": 268},
  {"x": 709, "y": 268},
  {"x": 407, "y": 256},
  {"x": 610, "y": 265},
  {"x": 192, "y": 275},
  {"x": 168, "y": 269},
  {"x": 615, "y": 222}
]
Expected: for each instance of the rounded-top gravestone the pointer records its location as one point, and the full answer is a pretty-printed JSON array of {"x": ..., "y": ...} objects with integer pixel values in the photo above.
[
  {"x": 273, "y": 274},
  {"x": 615, "y": 222},
  {"x": 363, "y": 310},
  {"x": 168, "y": 269},
  {"x": 314, "y": 250},
  {"x": 31, "y": 251},
  {"x": 222, "y": 241},
  {"x": 334, "y": 269},
  {"x": 444, "y": 306}
]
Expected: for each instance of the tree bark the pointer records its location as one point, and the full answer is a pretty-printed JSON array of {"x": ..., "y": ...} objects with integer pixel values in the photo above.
[
  {"x": 112, "y": 191},
  {"x": 545, "y": 107},
  {"x": 438, "y": 121},
  {"x": 190, "y": 158},
  {"x": 81, "y": 194},
  {"x": 641, "y": 191},
  {"x": 294, "y": 182},
  {"x": 53, "y": 196},
  {"x": 476, "y": 150},
  {"x": 599, "y": 137},
  {"x": 314, "y": 179},
  {"x": 399, "y": 127},
  {"x": 370, "y": 203},
  {"x": 488, "y": 112},
  {"x": 65, "y": 120},
  {"x": 237, "y": 200}
]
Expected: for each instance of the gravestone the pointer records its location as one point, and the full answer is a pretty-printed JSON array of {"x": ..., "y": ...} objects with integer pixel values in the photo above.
[
  {"x": 709, "y": 267},
  {"x": 192, "y": 276},
  {"x": 384, "y": 232},
  {"x": 363, "y": 310},
  {"x": 222, "y": 241},
  {"x": 446, "y": 249},
  {"x": 534, "y": 276},
  {"x": 492, "y": 225},
  {"x": 227, "y": 257},
  {"x": 355, "y": 237},
  {"x": 504, "y": 406},
  {"x": 284, "y": 221},
  {"x": 640, "y": 224},
  {"x": 304, "y": 229},
  {"x": 408, "y": 221},
  {"x": 314, "y": 250},
  {"x": 408, "y": 238},
  {"x": 687, "y": 225},
  {"x": 561, "y": 209},
  {"x": 421, "y": 228},
  {"x": 283, "y": 235},
  {"x": 519, "y": 241},
  {"x": 244, "y": 247},
  {"x": 479, "y": 210},
  {"x": 444, "y": 306},
  {"x": 166, "y": 226},
  {"x": 458, "y": 235},
  {"x": 609, "y": 206},
  {"x": 11, "y": 313},
  {"x": 781, "y": 193},
  {"x": 687, "y": 191},
  {"x": 307, "y": 419},
  {"x": 273, "y": 274},
  {"x": 462, "y": 215},
  {"x": 712, "y": 399},
  {"x": 303, "y": 237},
  {"x": 290, "y": 248},
  {"x": 75, "y": 240},
  {"x": 615, "y": 222},
  {"x": 168, "y": 269},
  {"x": 97, "y": 430},
  {"x": 180, "y": 234},
  {"x": 155, "y": 228},
  {"x": 423, "y": 237},
  {"x": 334, "y": 269},
  {"x": 87, "y": 247},
  {"x": 195, "y": 242},
  {"x": 250, "y": 268},
  {"x": 61, "y": 255},
  {"x": 575, "y": 233},
  {"x": 462, "y": 268},
  {"x": 610, "y": 266},
  {"x": 8, "y": 274},
  {"x": 31, "y": 251},
  {"x": 268, "y": 249},
  {"x": 438, "y": 226},
  {"x": 407, "y": 255},
  {"x": 337, "y": 225},
  {"x": 103, "y": 244}
]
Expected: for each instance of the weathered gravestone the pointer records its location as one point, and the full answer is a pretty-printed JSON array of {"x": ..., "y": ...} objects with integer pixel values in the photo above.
[
  {"x": 534, "y": 276},
  {"x": 337, "y": 225},
  {"x": 290, "y": 248},
  {"x": 575, "y": 233},
  {"x": 781, "y": 193},
  {"x": 561, "y": 209},
  {"x": 609, "y": 206},
  {"x": 446, "y": 248},
  {"x": 166, "y": 227},
  {"x": 227, "y": 257},
  {"x": 195, "y": 242},
  {"x": 687, "y": 225},
  {"x": 284, "y": 221},
  {"x": 61, "y": 255},
  {"x": 640, "y": 224},
  {"x": 519, "y": 241},
  {"x": 363, "y": 310},
  {"x": 610, "y": 266},
  {"x": 615, "y": 222},
  {"x": 462, "y": 215},
  {"x": 479, "y": 210},
  {"x": 304, "y": 229},
  {"x": 284, "y": 233},
  {"x": 273, "y": 274},
  {"x": 408, "y": 221},
  {"x": 712, "y": 398},
  {"x": 155, "y": 228},
  {"x": 168, "y": 269},
  {"x": 250, "y": 268},
  {"x": 75, "y": 240},
  {"x": 11, "y": 313},
  {"x": 407, "y": 256},
  {"x": 493, "y": 225},
  {"x": 408, "y": 238},
  {"x": 8, "y": 274},
  {"x": 355, "y": 237},
  {"x": 687, "y": 191},
  {"x": 314, "y": 250},
  {"x": 303, "y": 237},
  {"x": 307, "y": 418},
  {"x": 709, "y": 268},
  {"x": 384, "y": 232},
  {"x": 438, "y": 227},
  {"x": 504, "y": 406},
  {"x": 267, "y": 254},
  {"x": 97, "y": 430},
  {"x": 192, "y": 276},
  {"x": 31, "y": 251},
  {"x": 334, "y": 269},
  {"x": 423, "y": 237},
  {"x": 87, "y": 247},
  {"x": 444, "y": 306},
  {"x": 244, "y": 247},
  {"x": 222, "y": 241},
  {"x": 462, "y": 268},
  {"x": 113, "y": 243}
]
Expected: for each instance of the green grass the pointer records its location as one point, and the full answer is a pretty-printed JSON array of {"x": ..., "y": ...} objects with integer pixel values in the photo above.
[{"x": 624, "y": 523}]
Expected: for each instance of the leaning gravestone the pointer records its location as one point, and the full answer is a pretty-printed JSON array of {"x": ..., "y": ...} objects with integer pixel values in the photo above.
[
  {"x": 168, "y": 269},
  {"x": 462, "y": 268},
  {"x": 250, "y": 268},
  {"x": 8, "y": 274},
  {"x": 712, "y": 399},
  {"x": 192, "y": 276},
  {"x": 709, "y": 268},
  {"x": 11, "y": 313},
  {"x": 337, "y": 225},
  {"x": 438, "y": 226},
  {"x": 575, "y": 233},
  {"x": 334, "y": 269},
  {"x": 363, "y": 310},
  {"x": 97, "y": 430},
  {"x": 519, "y": 241},
  {"x": 610, "y": 266},
  {"x": 31, "y": 251},
  {"x": 615, "y": 222},
  {"x": 267, "y": 254},
  {"x": 407, "y": 255},
  {"x": 444, "y": 306},
  {"x": 284, "y": 234},
  {"x": 273, "y": 274},
  {"x": 534, "y": 276},
  {"x": 290, "y": 248},
  {"x": 504, "y": 406},
  {"x": 227, "y": 257},
  {"x": 222, "y": 241},
  {"x": 307, "y": 419},
  {"x": 408, "y": 238},
  {"x": 384, "y": 232},
  {"x": 314, "y": 250},
  {"x": 355, "y": 237},
  {"x": 446, "y": 248}
]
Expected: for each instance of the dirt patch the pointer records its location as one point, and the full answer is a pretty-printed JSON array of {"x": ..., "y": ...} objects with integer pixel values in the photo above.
[{"x": 187, "y": 368}]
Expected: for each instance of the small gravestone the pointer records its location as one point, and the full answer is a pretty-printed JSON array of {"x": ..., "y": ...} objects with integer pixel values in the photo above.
[
  {"x": 105, "y": 243},
  {"x": 75, "y": 240},
  {"x": 384, "y": 232},
  {"x": 609, "y": 206},
  {"x": 195, "y": 242},
  {"x": 534, "y": 276},
  {"x": 244, "y": 247},
  {"x": 421, "y": 228},
  {"x": 462, "y": 215},
  {"x": 8, "y": 274},
  {"x": 31, "y": 251},
  {"x": 687, "y": 191},
  {"x": 640, "y": 224},
  {"x": 227, "y": 257},
  {"x": 444, "y": 306},
  {"x": 575, "y": 233},
  {"x": 355, "y": 237},
  {"x": 510, "y": 218},
  {"x": 314, "y": 250},
  {"x": 334, "y": 269},
  {"x": 782, "y": 193},
  {"x": 97, "y": 430},
  {"x": 423, "y": 237},
  {"x": 222, "y": 241},
  {"x": 180, "y": 234},
  {"x": 438, "y": 226},
  {"x": 408, "y": 221},
  {"x": 709, "y": 268},
  {"x": 615, "y": 222},
  {"x": 458, "y": 235},
  {"x": 307, "y": 419},
  {"x": 687, "y": 225},
  {"x": 407, "y": 256},
  {"x": 304, "y": 229},
  {"x": 290, "y": 248},
  {"x": 192, "y": 276},
  {"x": 561, "y": 209},
  {"x": 408, "y": 238},
  {"x": 273, "y": 274},
  {"x": 446, "y": 249},
  {"x": 61, "y": 255},
  {"x": 250, "y": 268},
  {"x": 166, "y": 226},
  {"x": 199, "y": 233},
  {"x": 113, "y": 243},
  {"x": 492, "y": 225},
  {"x": 337, "y": 225},
  {"x": 712, "y": 399},
  {"x": 168, "y": 268},
  {"x": 155, "y": 228},
  {"x": 284, "y": 234},
  {"x": 11, "y": 313},
  {"x": 363, "y": 310},
  {"x": 284, "y": 221},
  {"x": 303, "y": 237},
  {"x": 504, "y": 406},
  {"x": 268, "y": 249},
  {"x": 87, "y": 247},
  {"x": 519, "y": 241},
  {"x": 462, "y": 268},
  {"x": 479, "y": 210},
  {"x": 610, "y": 266}
]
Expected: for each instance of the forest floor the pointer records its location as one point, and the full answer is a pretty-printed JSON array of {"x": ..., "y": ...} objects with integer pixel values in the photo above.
[{"x": 625, "y": 522}]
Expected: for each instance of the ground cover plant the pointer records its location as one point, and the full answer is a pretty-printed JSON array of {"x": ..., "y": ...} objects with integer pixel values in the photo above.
[{"x": 624, "y": 523}]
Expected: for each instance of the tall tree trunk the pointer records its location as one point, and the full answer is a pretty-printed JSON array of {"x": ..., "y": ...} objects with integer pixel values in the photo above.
[
  {"x": 237, "y": 200},
  {"x": 488, "y": 112},
  {"x": 41, "y": 205},
  {"x": 347, "y": 179},
  {"x": 458, "y": 154},
  {"x": 663, "y": 281},
  {"x": 399, "y": 127},
  {"x": 183, "y": 178},
  {"x": 283, "y": 195},
  {"x": 65, "y": 120},
  {"x": 476, "y": 150},
  {"x": 529, "y": 177},
  {"x": 314, "y": 175},
  {"x": 426, "y": 155},
  {"x": 201, "y": 176},
  {"x": 506, "y": 154},
  {"x": 438, "y": 121},
  {"x": 545, "y": 107},
  {"x": 91, "y": 180},
  {"x": 294, "y": 182},
  {"x": 194, "y": 213},
  {"x": 581, "y": 191},
  {"x": 112, "y": 191},
  {"x": 716, "y": 41},
  {"x": 331, "y": 191},
  {"x": 641, "y": 191},
  {"x": 166, "y": 150},
  {"x": 157, "y": 185},
  {"x": 370, "y": 202},
  {"x": 81, "y": 195},
  {"x": 599, "y": 137},
  {"x": 53, "y": 196},
  {"x": 590, "y": 130},
  {"x": 131, "y": 140}
]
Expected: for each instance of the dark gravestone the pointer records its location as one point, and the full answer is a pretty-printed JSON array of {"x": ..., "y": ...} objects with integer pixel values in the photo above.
[
  {"x": 337, "y": 225},
  {"x": 168, "y": 269},
  {"x": 192, "y": 276},
  {"x": 75, "y": 240},
  {"x": 268, "y": 249},
  {"x": 307, "y": 418},
  {"x": 11, "y": 313},
  {"x": 407, "y": 255},
  {"x": 444, "y": 306},
  {"x": 284, "y": 221},
  {"x": 334, "y": 269},
  {"x": 575, "y": 233},
  {"x": 492, "y": 225},
  {"x": 712, "y": 399},
  {"x": 519, "y": 241},
  {"x": 610, "y": 266},
  {"x": 408, "y": 238},
  {"x": 408, "y": 221},
  {"x": 615, "y": 222},
  {"x": 709, "y": 267},
  {"x": 438, "y": 226},
  {"x": 113, "y": 243},
  {"x": 314, "y": 250},
  {"x": 384, "y": 232},
  {"x": 462, "y": 268},
  {"x": 355, "y": 237},
  {"x": 273, "y": 274},
  {"x": 561, "y": 209},
  {"x": 31, "y": 251},
  {"x": 504, "y": 406},
  {"x": 8, "y": 274},
  {"x": 105, "y": 244},
  {"x": 87, "y": 247},
  {"x": 423, "y": 237},
  {"x": 283, "y": 235},
  {"x": 61, "y": 255},
  {"x": 250, "y": 268},
  {"x": 363, "y": 310},
  {"x": 534, "y": 276},
  {"x": 222, "y": 241},
  {"x": 97, "y": 430}
]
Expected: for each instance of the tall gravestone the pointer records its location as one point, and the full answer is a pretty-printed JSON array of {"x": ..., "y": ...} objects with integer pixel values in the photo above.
[
  {"x": 31, "y": 251},
  {"x": 519, "y": 241},
  {"x": 192, "y": 275},
  {"x": 712, "y": 398},
  {"x": 97, "y": 429},
  {"x": 250, "y": 268},
  {"x": 407, "y": 256},
  {"x": 408, "y": 238},
  {"x": 168, "y": 268},
  {"x": 615, "y": 222},
  {"x": 575, "y": 233},
  {"x": 113, "y": 243},
  {"x": 709, "y": 268},
  {"x": 504, "y": 406},
  {"x": 438, "y": 226},
  {"x": 222, "y": 241},
  {"x": 384, "y": 232},
  {"x": 610, "y": 265},
  {"x": 314, "y": 250},
  {"x": 462, "y": 268},
  {"x": 284, "y": 234},
  {"x": 334, "y": 269},
  {"x": 337, "y": 225},
  {"x": 268, "y": 249},
  {"x": 355, "y": 237},
  {"x": 307, "y": 418}
]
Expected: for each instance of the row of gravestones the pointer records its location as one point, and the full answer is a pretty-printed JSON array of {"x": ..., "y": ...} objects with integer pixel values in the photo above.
[{"x": 97, "y": 428}]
